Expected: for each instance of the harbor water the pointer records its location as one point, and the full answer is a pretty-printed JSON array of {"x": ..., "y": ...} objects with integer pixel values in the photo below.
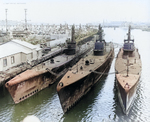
[{"x": 100, "y": 104}]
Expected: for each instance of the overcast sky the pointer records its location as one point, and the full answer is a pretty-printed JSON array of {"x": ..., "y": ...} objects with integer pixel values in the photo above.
[{"x": 76, "y": 11}]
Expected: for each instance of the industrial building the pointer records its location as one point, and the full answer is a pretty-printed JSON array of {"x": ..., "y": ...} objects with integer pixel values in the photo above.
[{"x": 16, "y": 52}]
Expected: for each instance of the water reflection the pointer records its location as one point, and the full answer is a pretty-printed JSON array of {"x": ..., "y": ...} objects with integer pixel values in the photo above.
[
  {"x": 100, "y": 104},
  {"x": 83, "y": 110}
]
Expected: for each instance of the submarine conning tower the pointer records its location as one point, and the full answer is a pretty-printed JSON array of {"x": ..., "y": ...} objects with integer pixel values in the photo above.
[
  {"x": 129, "y": 44},
  {"x": 99, "y": 44},
  {"x": 71, "y": 44}
]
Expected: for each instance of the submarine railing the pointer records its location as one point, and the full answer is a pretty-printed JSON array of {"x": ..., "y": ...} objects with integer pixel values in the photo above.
[{"x": 108, "y": 73}]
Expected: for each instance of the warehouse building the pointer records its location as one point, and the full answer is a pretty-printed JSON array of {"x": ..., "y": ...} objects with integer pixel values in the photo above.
[{"x": 16, "y": 52}]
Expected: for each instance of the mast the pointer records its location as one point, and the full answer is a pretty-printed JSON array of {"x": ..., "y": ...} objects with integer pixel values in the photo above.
[
  {"x": 127, "y": 66},
  {"x": 100, "y": 32},
  {"x": 71, "y": 45},
  {"x": 129, "y": 34},
  {"x": 73, "y": 34},
  {"x": 128, "y": 43}
]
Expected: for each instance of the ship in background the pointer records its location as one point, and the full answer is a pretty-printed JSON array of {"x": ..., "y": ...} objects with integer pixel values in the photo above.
[
  {"x": 44, "y": 74},
  {"x": 128, "y": 71},
  {"x": 87, "y": 72}
]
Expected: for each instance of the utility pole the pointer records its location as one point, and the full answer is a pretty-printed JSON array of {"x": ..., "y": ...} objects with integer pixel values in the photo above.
[
  {"x": 6, "y": 20},
  {"x": 25, "y": 19}
]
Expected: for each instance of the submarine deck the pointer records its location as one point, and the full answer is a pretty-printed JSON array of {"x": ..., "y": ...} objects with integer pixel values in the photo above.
[
  {"x": 42, "y": 68},
  {"x": 13, "y": 71},
  {"x": 78, "y": 73},
  {"x": 131, "y": 63}
]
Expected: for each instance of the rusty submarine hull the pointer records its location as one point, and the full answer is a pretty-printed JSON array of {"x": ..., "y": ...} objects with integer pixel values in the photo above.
[
  {"x": 33, "y": 80},
  {"x": 128, "y": 71},
  {"x": 82, "y": 76}
]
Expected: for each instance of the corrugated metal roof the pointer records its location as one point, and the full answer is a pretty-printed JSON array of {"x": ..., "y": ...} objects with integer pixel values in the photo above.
[{"x": 26, "y": 44}]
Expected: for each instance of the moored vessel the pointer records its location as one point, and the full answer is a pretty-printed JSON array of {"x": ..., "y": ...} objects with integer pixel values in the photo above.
[
  {"x": 82, "y": 76},
  {"x": 44, "y": 74},
  {"x": 128, "y": 71}
]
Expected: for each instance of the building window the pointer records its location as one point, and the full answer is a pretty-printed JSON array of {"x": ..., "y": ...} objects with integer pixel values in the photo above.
[
  {"x": 37, "y": 53},
  {"x": 12, "y": 59},
  {"x": 5, "y": 62},
  {"x": 31, "y": 55}
]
